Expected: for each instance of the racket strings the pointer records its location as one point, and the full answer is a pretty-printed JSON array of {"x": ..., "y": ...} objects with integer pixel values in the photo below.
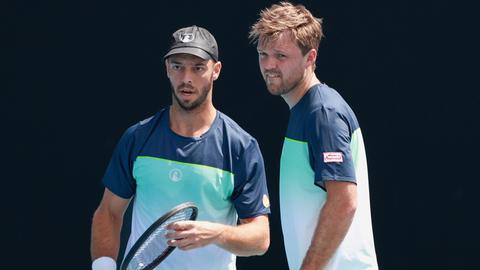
[{"x": 155, "y": 246}]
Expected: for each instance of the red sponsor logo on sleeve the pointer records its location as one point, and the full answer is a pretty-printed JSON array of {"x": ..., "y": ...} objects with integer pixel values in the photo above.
[{"x": 332, "y": 157}]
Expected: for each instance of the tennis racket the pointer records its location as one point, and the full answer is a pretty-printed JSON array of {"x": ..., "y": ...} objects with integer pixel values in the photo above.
[{"x": 152, "y": 248}]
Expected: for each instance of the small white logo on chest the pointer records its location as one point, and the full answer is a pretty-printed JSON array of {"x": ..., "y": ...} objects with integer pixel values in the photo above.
[{"x": 175, "y": 175}]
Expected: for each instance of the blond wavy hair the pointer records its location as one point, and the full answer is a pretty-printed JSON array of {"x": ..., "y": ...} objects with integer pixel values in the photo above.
[{"x": 305, "y": 28}]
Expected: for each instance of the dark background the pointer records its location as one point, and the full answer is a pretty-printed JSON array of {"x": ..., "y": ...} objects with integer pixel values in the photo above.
[{"x": 76, "y": 74}]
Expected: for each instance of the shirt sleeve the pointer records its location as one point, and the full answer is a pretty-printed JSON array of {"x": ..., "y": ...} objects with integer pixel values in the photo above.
[
  {"x": 250, "y": 195},
  {"x": 329, "y": 136},
  {"x": 118, "y": 176}
]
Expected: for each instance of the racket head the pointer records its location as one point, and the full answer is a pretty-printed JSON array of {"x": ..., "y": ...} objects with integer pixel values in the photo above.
[{"x": 151, "y": 248}]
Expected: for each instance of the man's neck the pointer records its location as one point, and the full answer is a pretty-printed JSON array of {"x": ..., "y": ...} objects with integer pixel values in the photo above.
[
  {"x": 192, "y": 123},
  {"x": 294, "y": 96}
]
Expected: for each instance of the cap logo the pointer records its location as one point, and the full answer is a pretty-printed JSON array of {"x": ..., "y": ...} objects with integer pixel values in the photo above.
[{"x": 186, "y": 37}]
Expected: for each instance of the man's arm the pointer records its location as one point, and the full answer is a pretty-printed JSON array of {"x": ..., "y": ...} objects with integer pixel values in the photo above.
[
  {"x": 333, "y": 224},
  {"x": 251, "y": 237},
  {"x": 106, "y": 226}
]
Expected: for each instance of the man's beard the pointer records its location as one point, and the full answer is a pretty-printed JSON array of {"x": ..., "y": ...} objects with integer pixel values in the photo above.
[
  {"x": 195, "y": 103},
  {"x": 278, "y": 91},
  {"x": 282, "y": 87}
]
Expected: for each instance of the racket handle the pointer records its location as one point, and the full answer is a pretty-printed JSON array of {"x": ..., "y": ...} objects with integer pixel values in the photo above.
[{"x": 104, "y": 263}]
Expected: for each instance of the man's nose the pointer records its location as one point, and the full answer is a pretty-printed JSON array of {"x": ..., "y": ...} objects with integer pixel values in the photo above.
[
  {"x": 268, "y": 63},
  {"x": 187, "y": 76}
]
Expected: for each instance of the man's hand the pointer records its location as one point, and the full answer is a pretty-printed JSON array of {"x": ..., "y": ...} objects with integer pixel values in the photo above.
[{"x": 188, "y": 235}]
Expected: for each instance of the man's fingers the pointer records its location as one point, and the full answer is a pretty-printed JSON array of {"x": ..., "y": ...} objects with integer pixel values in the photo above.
[
  {"x": 189, "y": 247},
  {"x": 180, "y": 225},
  {"x": 177, "y": 234},
  {"x": 183, "y": 244},
  {"x": 179, "y": 242}
]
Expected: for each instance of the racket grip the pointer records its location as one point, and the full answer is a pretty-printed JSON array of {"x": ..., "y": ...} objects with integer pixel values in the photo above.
[{"x": 104, "y": 263}]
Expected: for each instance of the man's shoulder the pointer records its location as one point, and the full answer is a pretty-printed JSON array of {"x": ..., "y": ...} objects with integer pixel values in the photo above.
[
  {"x": 326, "y": 96},
  {"x": 328, "y": 105},
  {"x": 145, "y": 125},
  {"x": 234, "y": 130},
  {"x": 323, "y": 97}
]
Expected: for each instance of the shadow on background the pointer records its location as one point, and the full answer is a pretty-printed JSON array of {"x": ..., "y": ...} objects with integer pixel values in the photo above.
[{"x": 78, "y": 73}]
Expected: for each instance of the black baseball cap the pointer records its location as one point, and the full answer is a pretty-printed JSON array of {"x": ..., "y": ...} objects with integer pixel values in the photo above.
[{"x": 194, "y": 40}]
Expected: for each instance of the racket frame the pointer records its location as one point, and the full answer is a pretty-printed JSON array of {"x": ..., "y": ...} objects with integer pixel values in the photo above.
[{"x": 151, "y": 229}]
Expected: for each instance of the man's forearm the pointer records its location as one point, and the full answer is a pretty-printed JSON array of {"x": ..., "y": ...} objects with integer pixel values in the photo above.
[
  {"x": 333, "y": 224},
  {"x": 252, "y": 237},
  {"x": 247, "y": 239},
  {"x": 105, "y": 236}
]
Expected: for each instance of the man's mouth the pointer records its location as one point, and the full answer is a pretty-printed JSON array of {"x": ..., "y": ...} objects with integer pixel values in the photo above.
[
  {"x": 272, "y": 75},
  {"x": 186, "y": 91}
]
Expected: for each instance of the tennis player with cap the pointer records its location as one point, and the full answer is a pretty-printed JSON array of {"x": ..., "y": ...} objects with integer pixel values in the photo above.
[{"x": 188, "y": 151}]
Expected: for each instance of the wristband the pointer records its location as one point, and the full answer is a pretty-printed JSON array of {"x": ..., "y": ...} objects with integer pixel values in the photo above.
[{"x": 104, "y": 263}]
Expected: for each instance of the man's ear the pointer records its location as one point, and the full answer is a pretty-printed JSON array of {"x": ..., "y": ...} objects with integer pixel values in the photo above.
[
  {"x": 217, "y": 67},
  {"x": 311, "y": 57},
  {"x": 166, "y": 68}
]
